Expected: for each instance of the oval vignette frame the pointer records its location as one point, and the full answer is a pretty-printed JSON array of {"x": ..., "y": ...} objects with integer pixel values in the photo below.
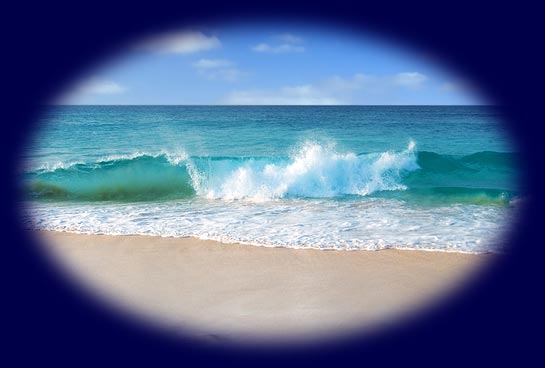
[{"x": 477, "y": 280}]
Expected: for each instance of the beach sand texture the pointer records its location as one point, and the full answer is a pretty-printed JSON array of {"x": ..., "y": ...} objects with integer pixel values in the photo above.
[{"x": 207, "y": 288}]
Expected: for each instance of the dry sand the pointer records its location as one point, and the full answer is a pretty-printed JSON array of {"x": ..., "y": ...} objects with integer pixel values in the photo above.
[{"x": 234, "y": 291}]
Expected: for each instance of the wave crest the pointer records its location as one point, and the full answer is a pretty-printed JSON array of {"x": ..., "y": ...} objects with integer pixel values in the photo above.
[{"x": 315, "y": 171}]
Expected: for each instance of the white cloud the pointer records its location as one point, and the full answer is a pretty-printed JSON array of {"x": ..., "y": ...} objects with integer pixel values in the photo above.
[
  {"x": 184, "y": 42},
  {"x": 277, "y": 49},
  {"x": 290, "y": 43},
  {"x": 359, "y": 88},
  {"x": 88, "y": 89},
  {"x": 229, "y": 75},
  {"x": 298, "y": 95},
  {"x": 331, "y": 91},
  {"x": 410, "y": 79},
  {"x": 99, "y": 87},
  {"x": 211, "y": 63},
  {"x": 288, "y": 38},
  {"x": 218, "y": 69}
]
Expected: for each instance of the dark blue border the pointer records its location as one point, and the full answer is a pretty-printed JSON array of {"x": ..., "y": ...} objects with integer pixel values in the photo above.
[{"x": 498, "y": 319}]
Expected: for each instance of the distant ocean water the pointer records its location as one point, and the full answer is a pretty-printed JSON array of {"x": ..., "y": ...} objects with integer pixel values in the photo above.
[{"x": 343, "y": 177}]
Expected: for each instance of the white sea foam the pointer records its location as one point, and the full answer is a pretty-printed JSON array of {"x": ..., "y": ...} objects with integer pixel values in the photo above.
[
  {"x": 371, "y": 224},
  {"x": 315, "y": 171},
  {"x": 174, "y": 157},
  {"x": 53, "y": 166}
]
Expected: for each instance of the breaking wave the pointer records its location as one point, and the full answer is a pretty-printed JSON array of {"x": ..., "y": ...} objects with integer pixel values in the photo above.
[{"x": 313, "y": 171}]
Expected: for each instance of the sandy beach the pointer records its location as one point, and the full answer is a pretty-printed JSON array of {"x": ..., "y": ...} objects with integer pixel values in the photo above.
[{"x": 233, "y": 291}]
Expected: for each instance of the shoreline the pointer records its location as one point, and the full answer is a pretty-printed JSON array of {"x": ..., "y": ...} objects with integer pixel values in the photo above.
[
  {"x": 260, "y": 245},
  {"x": 207, "y": 288}
]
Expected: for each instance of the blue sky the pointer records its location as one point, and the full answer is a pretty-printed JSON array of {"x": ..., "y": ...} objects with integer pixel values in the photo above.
[{"x": 269, "y": 64}]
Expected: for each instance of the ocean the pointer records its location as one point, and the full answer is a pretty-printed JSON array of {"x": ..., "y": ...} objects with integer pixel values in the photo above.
[{"x": 329, "y": 177}]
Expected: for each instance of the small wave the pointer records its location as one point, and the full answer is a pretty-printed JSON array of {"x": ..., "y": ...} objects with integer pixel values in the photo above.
[
  {"x": 448, "y": 195},
  {"x": 432, "y": 161},
  {"x": 142, "y": 177},
  {"x": 173, "y": 157},
  {"x": 492, "y": 159}
]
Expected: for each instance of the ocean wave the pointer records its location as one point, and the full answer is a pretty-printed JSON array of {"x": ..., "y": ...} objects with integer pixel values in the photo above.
[
  {"x": 139, "y": 178},
  {"x": 313, "y": 171}
]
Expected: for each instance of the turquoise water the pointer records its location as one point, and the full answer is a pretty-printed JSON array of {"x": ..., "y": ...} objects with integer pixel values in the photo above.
[{"x": 347, "y": 177}]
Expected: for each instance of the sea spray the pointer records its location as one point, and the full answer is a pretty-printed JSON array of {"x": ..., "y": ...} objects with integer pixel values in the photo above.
[{"x": 316, "y": 171}]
